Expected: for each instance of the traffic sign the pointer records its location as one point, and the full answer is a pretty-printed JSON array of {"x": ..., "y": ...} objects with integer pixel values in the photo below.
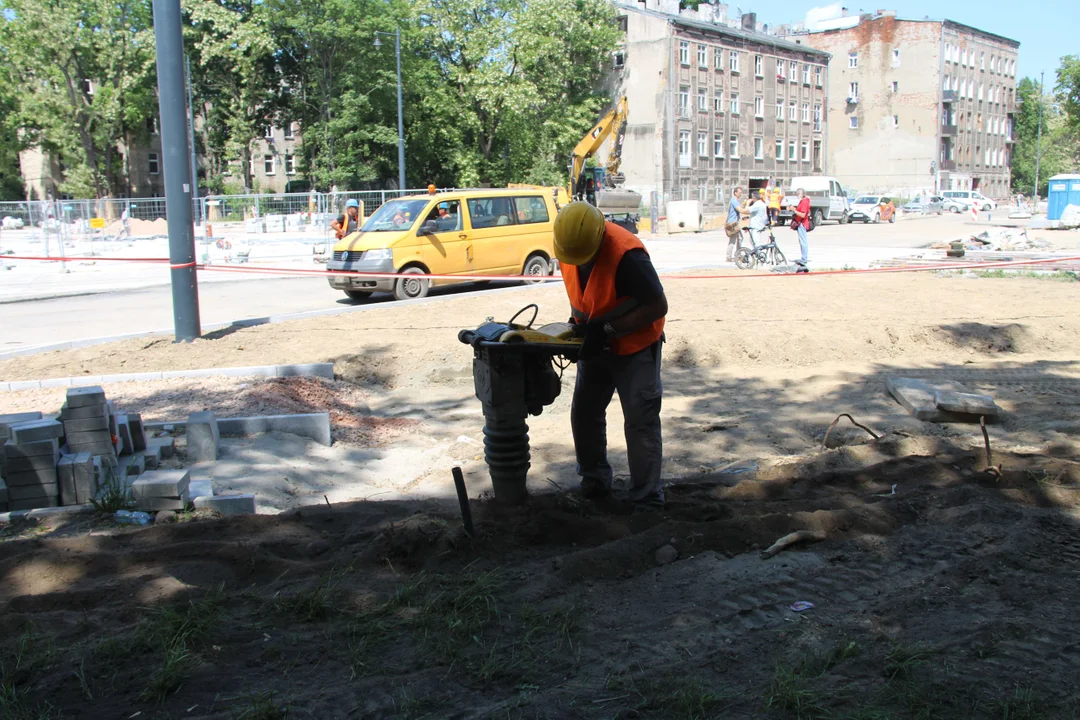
[{"x": 97, "y": 223}]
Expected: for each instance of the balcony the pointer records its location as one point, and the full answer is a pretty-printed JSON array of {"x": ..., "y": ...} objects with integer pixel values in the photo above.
[
  {"x": 949, "y": 130},
  {"x": 949, "y": 165},
  {"x": 949, "y": 96}
]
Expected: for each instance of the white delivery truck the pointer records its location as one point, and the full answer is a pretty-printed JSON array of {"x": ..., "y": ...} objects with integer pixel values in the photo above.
[{"x": 827, "y": 198}]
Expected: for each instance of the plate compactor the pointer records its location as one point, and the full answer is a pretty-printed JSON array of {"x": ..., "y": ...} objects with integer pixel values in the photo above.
[{"x": 514, "y": 372}]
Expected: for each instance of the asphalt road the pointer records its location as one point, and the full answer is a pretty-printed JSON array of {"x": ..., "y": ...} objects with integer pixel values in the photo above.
[{"x": 38, "y": 323}]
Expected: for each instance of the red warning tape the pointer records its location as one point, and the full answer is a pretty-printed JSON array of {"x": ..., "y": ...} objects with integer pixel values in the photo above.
[{"x": 319, "y": 272}]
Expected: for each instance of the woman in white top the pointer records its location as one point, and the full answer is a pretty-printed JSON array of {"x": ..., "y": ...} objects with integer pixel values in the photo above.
[{"x": 759, "y": 219}]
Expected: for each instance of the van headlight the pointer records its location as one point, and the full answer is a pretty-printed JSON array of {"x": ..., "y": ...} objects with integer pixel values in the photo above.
[{"x": 379, "y": 254}]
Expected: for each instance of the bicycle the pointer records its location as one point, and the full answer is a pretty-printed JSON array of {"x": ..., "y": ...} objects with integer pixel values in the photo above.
[{"x": 767, "y": 254}]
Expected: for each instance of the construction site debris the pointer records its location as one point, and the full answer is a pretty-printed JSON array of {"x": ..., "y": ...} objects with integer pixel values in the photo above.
[
  {"x": 920, "y": 398},
  {"x": 799, "y": 536},
  {"x": 1070, "y": 216},
  {"x": 970, "y": 403}
]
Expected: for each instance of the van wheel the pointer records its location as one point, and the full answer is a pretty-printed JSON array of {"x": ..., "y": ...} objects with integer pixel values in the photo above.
[
  {"x": 358, "y": 294},
  {"x": 818, "y": 217},
  {"x": 411, "y": 288},
  {"x": 536, "y": 267}
]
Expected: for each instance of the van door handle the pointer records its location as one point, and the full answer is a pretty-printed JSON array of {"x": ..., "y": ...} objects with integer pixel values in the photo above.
[{"x": 463, "y": 236}]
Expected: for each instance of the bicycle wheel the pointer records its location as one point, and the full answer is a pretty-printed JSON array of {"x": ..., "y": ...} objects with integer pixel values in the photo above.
[
  {"x": 745, "y": 259},
  {"x": 778, "y": 257}
]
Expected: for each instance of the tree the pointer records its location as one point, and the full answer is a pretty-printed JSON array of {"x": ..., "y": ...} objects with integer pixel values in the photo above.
[
  {"x": 1059, "y": 142},
  {"x": 11, "y": 184},
  {"x": 83, "y": 71},
  {"x": 1068, "y": 90}
]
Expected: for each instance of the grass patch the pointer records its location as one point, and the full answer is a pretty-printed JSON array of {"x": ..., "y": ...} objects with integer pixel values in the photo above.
[
  {"x": 1023, "y": 704},
  {"x": 818, "y": 664},
  {"x": 114, "y": 494},
  {"x": 791, "y": 693},
  {"x": 260, "y": 706},
  {"x": 28, "y": 652},
  {"x": 678, "y": 698},
  {"x": 902, "y": 660},
  {"x": 1055, "y": 275},
  {"x": 13, "y": 706},
  {"x": 317, "y": 603}
]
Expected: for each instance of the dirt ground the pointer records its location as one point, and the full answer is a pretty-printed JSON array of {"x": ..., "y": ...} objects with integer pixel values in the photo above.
[{"x": 939, "y": 590}]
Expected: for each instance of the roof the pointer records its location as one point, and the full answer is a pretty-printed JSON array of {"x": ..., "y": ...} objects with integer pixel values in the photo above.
[
  {"x": 947, "y": 23},
  {"x": 969, "y": 28},
  {"x": 1066, "y": 176},
  {"x": 735, "y": 33}
]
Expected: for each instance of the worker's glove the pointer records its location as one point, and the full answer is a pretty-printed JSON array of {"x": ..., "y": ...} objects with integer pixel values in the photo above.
[{"x": 594, "y": 339}]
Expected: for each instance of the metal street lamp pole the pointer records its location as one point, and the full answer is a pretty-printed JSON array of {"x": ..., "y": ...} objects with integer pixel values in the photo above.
[
  {"x": 1038, "y": 151},
  {"x": 400, "y": 119}
]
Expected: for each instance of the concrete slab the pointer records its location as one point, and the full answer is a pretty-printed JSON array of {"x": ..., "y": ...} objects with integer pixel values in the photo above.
[
  {"x": 89, "y": 424},
  {"x": 135, "y": 464},
  {"x": 227, "y": 504},
  {"x": 84, "y": 413},
  {"x": 123, "y": 431},
  {"x": 34, "y": 431},
  {"x": 30, "y": 477},
  {"x": 165, "y": 445},
  {"x": 28, "y": 492},
  {"x": 138, "y": 434},
  {"x": 970, "y": 403},
  {"x": 203, "y": 436},
  {"x": 151, "y": 457},
  {"x": 161, "y": 483},
  {"x": 13, "y": 419},
  {"x": 161, "y": 503},
  {"x": 918, "y": 397},
  {"x": 201, "y": 488},
  {"x": 83, "y": 396},
  {"x": 13, "y": 515},
  {"x": 50, "y": 448},
  {"x": 311, "y": 425},
  {"x": 66, "y": 484}
]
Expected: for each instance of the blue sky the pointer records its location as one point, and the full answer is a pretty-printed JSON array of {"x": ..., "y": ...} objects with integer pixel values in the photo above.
[{"x": 1046, "y": 30}]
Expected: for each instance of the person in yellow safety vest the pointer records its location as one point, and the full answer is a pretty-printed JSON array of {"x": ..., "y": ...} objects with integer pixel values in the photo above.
[
  {"x": 775, "y": 196},
  {"x": 349, "y": 222},
  {"x": 618, "y": 309}
]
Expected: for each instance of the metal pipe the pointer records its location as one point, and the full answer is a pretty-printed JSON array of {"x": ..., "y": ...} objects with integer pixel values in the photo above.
[
  {"x": 191, "y": 128},
  {"x": 175, "y": 151},
  {"x": 1038, "y": 151},
  {"x": 463, "y": 502},
  {"x": 400, "y": 121}
]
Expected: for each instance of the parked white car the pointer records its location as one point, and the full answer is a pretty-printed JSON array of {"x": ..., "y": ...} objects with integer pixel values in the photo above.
[
  {"x": 971, "y": 197},
  {"x": 12, "y": 223}
]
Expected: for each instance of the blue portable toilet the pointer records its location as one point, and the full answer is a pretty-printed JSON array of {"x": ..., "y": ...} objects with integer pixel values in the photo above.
[{"x": 1064, "y": 190}]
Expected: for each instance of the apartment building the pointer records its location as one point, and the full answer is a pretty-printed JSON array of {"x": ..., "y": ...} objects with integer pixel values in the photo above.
[
  {"x": 712, "y": 106},
  {"x": 918, "y": 105}
]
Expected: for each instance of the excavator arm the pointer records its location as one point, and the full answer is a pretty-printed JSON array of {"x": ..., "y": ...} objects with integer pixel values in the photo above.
[{"x": 613, "y": 123}]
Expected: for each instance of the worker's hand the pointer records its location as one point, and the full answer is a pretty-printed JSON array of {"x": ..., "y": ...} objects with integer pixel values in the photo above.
[{"x": 594, "y": 339}]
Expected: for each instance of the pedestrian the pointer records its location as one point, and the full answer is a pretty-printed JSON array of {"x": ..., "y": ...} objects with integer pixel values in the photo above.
[
  {"x": 349, "y": 222},
  {"x": 736, "y": 212},
  {"x": 800, "y": 222},
  {"x": 759, "y": 218},
  {"x": 775, "y": 196},
  {"x": 618, "y": 307},
  {"x": 125, "y": 221}
]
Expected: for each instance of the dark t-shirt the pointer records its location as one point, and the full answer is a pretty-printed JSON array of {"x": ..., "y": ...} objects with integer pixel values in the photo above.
[
  {"x": 635, "y": 277},
  {"x": 351, "y": 227}
]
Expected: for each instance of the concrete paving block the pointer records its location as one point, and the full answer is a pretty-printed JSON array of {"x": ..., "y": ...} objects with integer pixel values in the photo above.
[
  {"x": 138, "y": 434},
  {"x": 163, "y": 503},
  {"x": 13, "y": 419},
  {"x": 136, "y": 463},
  {"x": 26, "y": 492},
  {"x": 56, "y": 382},
  {"x": 312, "y": 425},
  {"x": 124, "y": 433},
  {"x": 50, "y": 448},
  {"x": 86, "y": 424},
  {"x": 16, "y": 385},
  {"x": 94, "y": 448},
  {"x": 227, "y": 504},
  {"x": 151, "y": 457},
  {"x": 34, "y": 503},
  {"x": 30, "y": 477},
  {"x": 131, "y": 377},
  {"x": 201, "y": 488},
  {"x": 35, "y": 430},
  {"x": 203, "y": 436},
  {"x": 167, "y": 445},
  {"x": 323, "y": 370},
  {"x": 918, "y": 398},
  {"x": 66, "y": 485},
  {"x": 23, "y": 464},
  {"x": 3, "y": 494},
  {"x": 970, "y": 403},
  {"x": 161, "y": 483},
  {"x": 84, "y": 413},
  {"x": 83, "y": 396}
]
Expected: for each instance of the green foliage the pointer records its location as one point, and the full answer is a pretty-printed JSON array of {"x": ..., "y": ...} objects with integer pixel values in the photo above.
[
  {"x": 1060, "y": 145},
  {"x": 11, "y": 184},
  {"x": 1068, "y": 90}
]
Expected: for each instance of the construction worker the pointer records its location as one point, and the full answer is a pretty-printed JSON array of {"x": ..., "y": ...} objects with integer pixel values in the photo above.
[
  {"x": 349, "y": 222},
  {"x": 618, "y": 308},
  {"x": 775, "y": 196}
]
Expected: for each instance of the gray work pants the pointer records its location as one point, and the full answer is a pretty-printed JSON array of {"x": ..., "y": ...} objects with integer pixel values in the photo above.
[{"x": 637, "y": 378}]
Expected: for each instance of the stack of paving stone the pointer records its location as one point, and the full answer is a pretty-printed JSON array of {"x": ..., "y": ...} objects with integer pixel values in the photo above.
[
  {"x": 77, "y": 478},
  {"x": 89, "y": 424},
  {"x": 162, "y": 490},
  {"x": 31, "y": 453}
]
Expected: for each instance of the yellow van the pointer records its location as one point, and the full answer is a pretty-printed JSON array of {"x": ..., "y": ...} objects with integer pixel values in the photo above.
[{"x": 468, "y": 232}]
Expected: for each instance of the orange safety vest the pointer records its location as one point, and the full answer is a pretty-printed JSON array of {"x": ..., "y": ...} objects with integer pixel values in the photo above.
[{"x": 599, "y": 301}]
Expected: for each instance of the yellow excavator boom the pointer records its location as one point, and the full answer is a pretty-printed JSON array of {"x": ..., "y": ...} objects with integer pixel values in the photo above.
[{"x": 612, "y": 124}]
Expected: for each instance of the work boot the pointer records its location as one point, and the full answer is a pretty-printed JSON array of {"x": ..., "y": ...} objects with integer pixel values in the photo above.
[
  {"x": 594, "y": 489},
  {"x": 652, "y": 504}
]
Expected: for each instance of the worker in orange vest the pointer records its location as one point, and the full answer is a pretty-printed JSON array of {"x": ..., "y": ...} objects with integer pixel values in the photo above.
[{"x": 618, "y": 307}]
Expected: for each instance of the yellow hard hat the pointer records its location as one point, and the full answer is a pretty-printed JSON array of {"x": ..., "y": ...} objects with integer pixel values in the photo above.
[{"x": 579, "y": 227}]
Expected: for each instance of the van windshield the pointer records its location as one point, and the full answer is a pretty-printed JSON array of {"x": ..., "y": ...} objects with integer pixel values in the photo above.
[{"x": 395, "y": 216}]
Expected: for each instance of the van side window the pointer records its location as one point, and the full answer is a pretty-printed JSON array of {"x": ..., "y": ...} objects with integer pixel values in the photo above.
[
  {"x": 491, "y": 212},
  {"x": 531, "y": 210},
  {"x": 446, "y": 216}
]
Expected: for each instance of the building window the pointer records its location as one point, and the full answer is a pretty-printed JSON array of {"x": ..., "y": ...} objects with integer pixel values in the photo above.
[
  {"x": 718, "y": 145},
  {"x": 251, "y": 166},
  {"x": 895, "y": 86},
  {"x": 792, "y": 111},
  {"x": 781, "y": 70},
  {"x": 806, "y": 74},
  {"x": 791, "y": 151},
  {"x": 806, "y": 151},
  {"x": 853, "y": 59},
  {"x": 759, "y": 149},
  {"x": 684, "y": 148},
  {"x": 268, "y": 132},
  {"x": 718, "y": 102},
  {"x": 982, "y": 61},
  {"x": 733, "y": 61},
  {"x": 896, "y": 121},
  {"x": 684, "y": 101},
  {"x": 152, "y": 162},
  {"x": 702, "y": 100},
  {"x": 718, "y": 59},
  {"x": 853, "y": 122},
  {"x": 759, "y": 106},
  {"x": 733, "y": 147},
  {"x": 780, "y": 108},
  {"x": 684, "y": 53},
  {"x": 896, "y": 58},
  {"x": 853, "y": 92},
  {"x": 618, "y": 59},
  {"x": 779, "y": 149},
  {"x": 290, "y": 165},
  {"x": 703, "y": 192},
  {"x": 703, "y": 144},
  {"x": 794, "y": 74},
  {"x": 268, "y": 164},
  {"x": 88, "y": 86},
  {"x": 980, "y": 91},
  {"x": 290, "y": 131},
  {"x": 817, "y": 76},
  {"x": 806, "y": 112},
  {"x": 734, "y": 103},
  {"x": 622, "y": 21},
  {"x": 702, "y": 57},
  {"x": 759, "y": 65},
  {"x": 684, "y": 192},
  {"x": 817, "y": 118},
  {"x": 719, "y": 193}
]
